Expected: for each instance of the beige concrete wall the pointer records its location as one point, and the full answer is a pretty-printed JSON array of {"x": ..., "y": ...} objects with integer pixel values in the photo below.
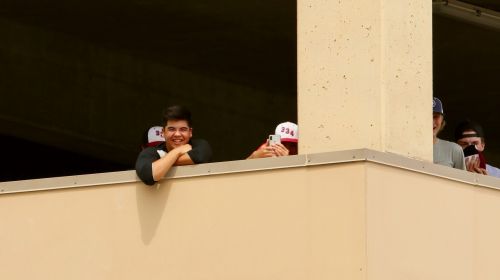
[
  {"x": 296, "y": 225},
  {"x": 327, "y": 219},
  {"x": 365, "y": 76},
  {"x": 422, "y": 227}
]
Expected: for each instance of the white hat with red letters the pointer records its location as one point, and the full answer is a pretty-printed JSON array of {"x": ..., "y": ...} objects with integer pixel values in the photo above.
[
  {"x": 288, "y": 131},
  {"x": 155, "y": 136}
]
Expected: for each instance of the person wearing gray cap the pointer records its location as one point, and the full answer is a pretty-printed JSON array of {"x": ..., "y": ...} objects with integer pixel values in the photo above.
[{"x": 444, "y": 152}]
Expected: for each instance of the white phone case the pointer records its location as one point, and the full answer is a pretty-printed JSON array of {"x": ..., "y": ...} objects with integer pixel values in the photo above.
[{"x": 274, "y": 139}]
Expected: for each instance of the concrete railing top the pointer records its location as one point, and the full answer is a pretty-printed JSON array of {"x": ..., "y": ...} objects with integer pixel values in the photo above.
[{"x": 227, "y": 167}]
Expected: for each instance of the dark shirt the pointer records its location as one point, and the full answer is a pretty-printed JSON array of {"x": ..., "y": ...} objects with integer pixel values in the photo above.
[{"x": 201, "y": 152}]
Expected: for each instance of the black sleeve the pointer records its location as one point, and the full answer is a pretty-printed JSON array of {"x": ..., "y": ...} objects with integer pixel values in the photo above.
[
  {"x": 144, "y": 165},
  {"x": 201, "y": 152}
]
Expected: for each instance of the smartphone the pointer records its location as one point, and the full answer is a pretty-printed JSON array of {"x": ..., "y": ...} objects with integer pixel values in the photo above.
[
  {"x": 470, "y": 151},
  {"x": 274, "y": 139}
]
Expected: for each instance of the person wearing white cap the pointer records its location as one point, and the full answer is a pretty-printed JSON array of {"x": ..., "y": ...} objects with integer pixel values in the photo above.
[
  {"x": 444, "y": 152},
  {"x": 153, "y": 137},
  {"x": 288, "y": 133}
]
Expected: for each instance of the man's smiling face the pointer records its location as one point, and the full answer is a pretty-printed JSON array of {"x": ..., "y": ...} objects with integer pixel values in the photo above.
[
  {"x": 437, "y": 123},
  {"x": 177, "y": 133}
]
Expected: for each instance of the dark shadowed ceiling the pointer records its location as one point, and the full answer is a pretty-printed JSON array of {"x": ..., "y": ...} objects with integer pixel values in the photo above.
[
  {"x": 232, "y": 39},
  {"x": 488, "y": 4}
]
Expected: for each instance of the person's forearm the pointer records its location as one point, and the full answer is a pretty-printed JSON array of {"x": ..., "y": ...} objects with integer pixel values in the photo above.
[
  {"x": 185, "y": 159},
  {"x": 253, "y": 155},
  {"x": 262, "y": 153},
  {"x": 162, "y": 166}
]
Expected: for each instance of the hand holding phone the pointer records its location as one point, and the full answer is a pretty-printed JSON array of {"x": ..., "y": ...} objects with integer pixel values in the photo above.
[
  {"x": 474, "y": 160},
  {"x": 472, "y": 154}
]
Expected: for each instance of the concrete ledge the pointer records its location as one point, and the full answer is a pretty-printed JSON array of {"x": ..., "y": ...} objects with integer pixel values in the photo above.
[{"x": 219, "y": 168}]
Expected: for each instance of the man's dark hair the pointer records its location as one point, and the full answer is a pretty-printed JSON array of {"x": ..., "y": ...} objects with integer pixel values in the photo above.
[
  {"x": 468, "y": 125},
  {"x": 176, "y": 112}
]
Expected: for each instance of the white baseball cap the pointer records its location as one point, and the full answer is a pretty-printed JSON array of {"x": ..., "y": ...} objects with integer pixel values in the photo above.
[
  {"x": 155, "y": 136},
  {"x": 288, "y": 131}
]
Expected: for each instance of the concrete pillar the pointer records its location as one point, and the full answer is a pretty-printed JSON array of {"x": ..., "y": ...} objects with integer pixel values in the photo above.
[{"x": 365, "y": 76}]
